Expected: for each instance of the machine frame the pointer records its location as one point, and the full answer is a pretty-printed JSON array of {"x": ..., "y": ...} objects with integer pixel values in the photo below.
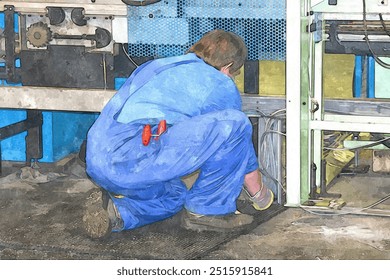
[{"x": 307, "y": 114}]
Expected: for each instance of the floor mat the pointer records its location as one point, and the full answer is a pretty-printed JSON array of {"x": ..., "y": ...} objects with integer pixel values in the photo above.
[{"x": 42, "y": 220}]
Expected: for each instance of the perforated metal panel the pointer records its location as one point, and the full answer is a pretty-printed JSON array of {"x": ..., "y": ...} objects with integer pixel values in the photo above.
[{"x": 170, "y": 27}]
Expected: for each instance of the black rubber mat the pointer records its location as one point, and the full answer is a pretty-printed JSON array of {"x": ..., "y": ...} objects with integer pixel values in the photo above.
[{"x": 43, "y": 221}]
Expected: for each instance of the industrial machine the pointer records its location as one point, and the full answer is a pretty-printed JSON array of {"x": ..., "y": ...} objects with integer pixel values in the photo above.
[
  {"x": 80, "y": 44},
  {"x": 71, "y": 56},
  {"x": 56, "y": 45},
  {"x": 338, "y": 27}
]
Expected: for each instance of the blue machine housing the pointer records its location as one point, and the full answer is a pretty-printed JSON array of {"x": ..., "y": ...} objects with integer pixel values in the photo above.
[
  {"x": 170, "y": 27},
  {"x": 62, "y": 132},
  {"x": 163, "y": 29}
]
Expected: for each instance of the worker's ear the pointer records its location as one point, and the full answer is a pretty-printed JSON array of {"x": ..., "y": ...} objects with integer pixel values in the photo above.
[{"x": 226, "y": 69}]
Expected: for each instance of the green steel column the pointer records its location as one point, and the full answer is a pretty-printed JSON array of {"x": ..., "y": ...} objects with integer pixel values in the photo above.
[
  {"x": 305, "y": 99},
  {"x": 297, "y": 101}
]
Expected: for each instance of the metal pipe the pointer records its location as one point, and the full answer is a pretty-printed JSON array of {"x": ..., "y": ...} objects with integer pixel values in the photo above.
[{"x": 140, "y": 3}]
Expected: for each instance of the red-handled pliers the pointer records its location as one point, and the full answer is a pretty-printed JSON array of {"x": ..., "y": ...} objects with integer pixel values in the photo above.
[{"x": 147, "y": 132}]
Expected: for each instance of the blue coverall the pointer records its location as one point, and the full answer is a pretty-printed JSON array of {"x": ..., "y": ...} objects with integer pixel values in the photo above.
[{"x": 207, "y": 131}]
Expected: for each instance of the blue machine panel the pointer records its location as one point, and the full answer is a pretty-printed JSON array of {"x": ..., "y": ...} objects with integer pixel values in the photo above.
[
  {"x": 62, "y": 132},
  {"x": 170, "y": 27}
]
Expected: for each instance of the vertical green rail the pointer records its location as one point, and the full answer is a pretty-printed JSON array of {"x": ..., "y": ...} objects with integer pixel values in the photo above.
[
  {"x": 306, "y": 61},
  {"x": 298, "y": 68}
]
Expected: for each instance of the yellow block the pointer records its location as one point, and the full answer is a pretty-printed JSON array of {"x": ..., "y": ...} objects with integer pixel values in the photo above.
[
  {"x": 272, "y": 77},
  {"x": 338, "y": 75},
  {"x": 239, "y": 80}
]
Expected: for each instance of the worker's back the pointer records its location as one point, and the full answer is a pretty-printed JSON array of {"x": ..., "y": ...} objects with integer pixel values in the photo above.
[{"x": 183, "y": 87}]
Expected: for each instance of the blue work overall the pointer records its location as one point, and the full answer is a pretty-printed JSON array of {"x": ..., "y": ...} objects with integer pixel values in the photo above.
[{"x": 206, "y": 131}]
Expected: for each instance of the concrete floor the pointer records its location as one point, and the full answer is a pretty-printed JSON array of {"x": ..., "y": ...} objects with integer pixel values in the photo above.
[
  {"x": 40, "y": 219},
  {"x": 309, "y": 234},
  {"x": 298, "y": 235}
]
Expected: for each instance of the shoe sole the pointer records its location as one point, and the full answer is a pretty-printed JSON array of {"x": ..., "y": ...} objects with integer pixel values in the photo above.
[{"x": 96, "y": 220}]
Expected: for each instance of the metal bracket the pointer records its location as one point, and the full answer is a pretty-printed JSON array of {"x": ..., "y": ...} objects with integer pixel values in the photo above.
[{"x": 11, "y": 73}]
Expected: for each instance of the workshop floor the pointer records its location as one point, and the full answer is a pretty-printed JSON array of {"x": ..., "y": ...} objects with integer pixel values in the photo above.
[{"x": 40, "y": 219}]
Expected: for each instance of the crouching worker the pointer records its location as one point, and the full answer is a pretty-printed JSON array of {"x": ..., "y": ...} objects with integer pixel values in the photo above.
[{"x": 139, "y": 170}]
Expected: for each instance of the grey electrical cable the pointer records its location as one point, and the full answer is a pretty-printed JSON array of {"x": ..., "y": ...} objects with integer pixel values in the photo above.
[
  {"x": 268, "y": 151},
  {"x": 375, "y": 143},
  {"x": 128, "y": 56},
  {"x": 377, "y": 59}
]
